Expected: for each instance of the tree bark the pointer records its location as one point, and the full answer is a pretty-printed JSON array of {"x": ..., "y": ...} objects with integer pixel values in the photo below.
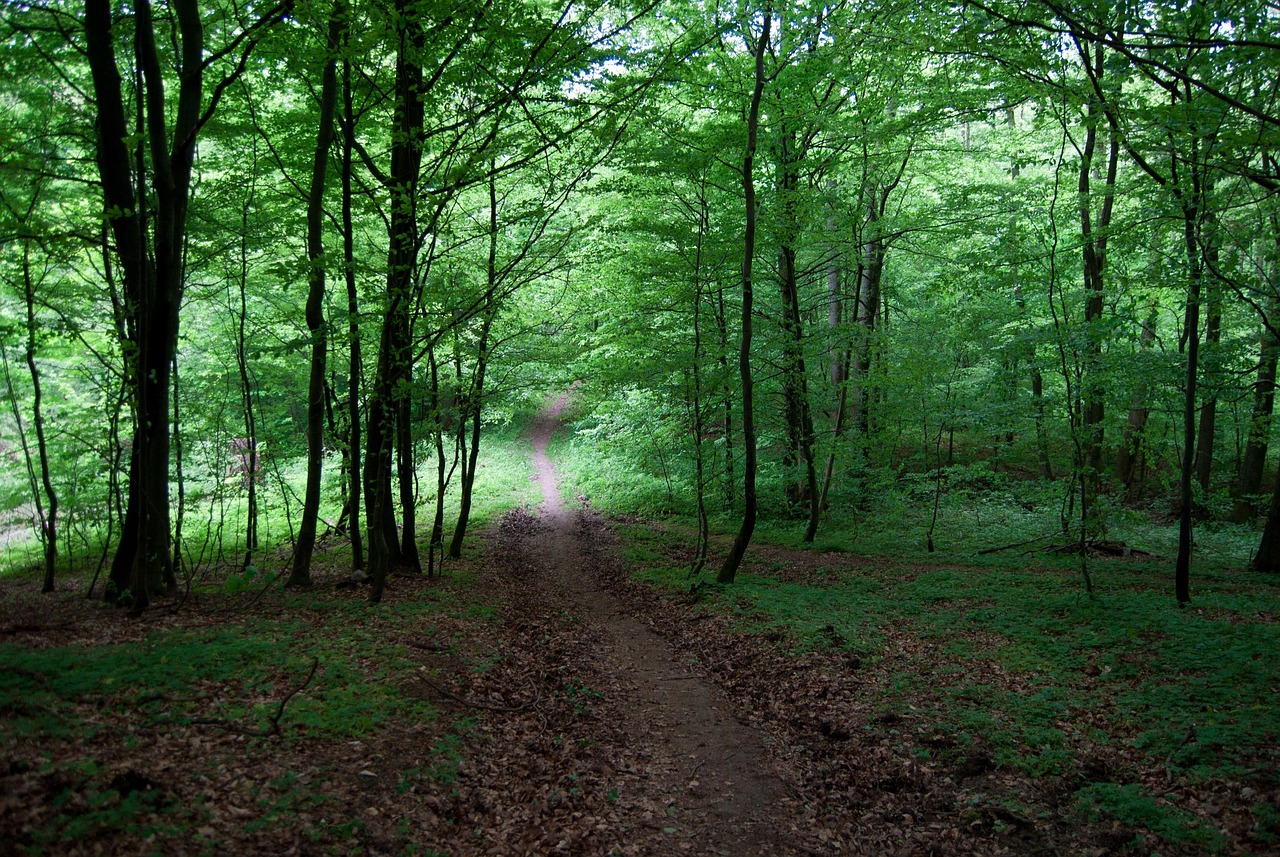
[
  {"x": 1129, "y": 457},
  {"x": 300, "y": 575},
  {"x": 149, "y": 227},
  {"x": 388, "y": 406},
  {"x": 1249, "y": 480},
  {"x": 355, "y": 365},
  {"x": 1093, "y": 244},
  {"x": 48, "y": 516},
  {"x": 475, "y": 401},
  {"x": 729, "y": 570},
  {"x": 1207, "y": 431}
]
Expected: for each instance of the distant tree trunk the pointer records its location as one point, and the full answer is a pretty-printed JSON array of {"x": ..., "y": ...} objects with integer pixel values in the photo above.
[
  {"x": 1191, "y": 212},
  {"x": 802, "y": 490},
  {"x": 436, "y": 545},
  {"x": 1130, "y": 455},
  {"x": 722, "y": 348},
  {"x": 475, "y": 401},
  {"x": 1268, "y": 556},
  {"x": 48, "y": 517},
  {"x": 1209, "y": 407},
  {"x": 867, "y": 313},
  {"x": 729, "y": 570},
  {"x": 1249, "y": 480},
  {"x": 1093, "y": 245},
  {"x": 300, "y": 575},
  {"x": 355, "y": 364},
  {"x": 246, "y": 384}
]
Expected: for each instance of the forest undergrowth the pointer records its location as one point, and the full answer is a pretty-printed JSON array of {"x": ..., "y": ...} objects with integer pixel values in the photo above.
[{"x": 912, "y": 704}]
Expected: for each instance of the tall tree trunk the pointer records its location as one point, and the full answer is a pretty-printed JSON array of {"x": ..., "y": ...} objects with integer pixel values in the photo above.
[
  {"x": 802, "y": 491},
  {"x": 1130, "y": 455},
  {"x": 1093, "y": 245},
  {"x": 388, "y": 405},
  {"x": 300, "y": 575},
  {"x": 1191, "y": 218},
  {"x": 475, "y": 401},
  {"x": 149, "y": 249},
  {"x": 1249, "y": 480},
  {"x": 722, "y": 348},
  {"x": 355, "y": 363},
  {"x": 49, "y": 516},
  {"x": 1209, "y": 407},
  {"x": 729, "y": 570},
  {"x": 254, "y": 465}
]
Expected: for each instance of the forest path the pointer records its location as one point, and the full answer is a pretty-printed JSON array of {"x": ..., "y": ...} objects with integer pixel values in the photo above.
[{"x": 696, "y": 779}]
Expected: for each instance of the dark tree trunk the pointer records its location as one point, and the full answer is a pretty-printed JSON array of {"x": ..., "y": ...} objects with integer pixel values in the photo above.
[
  {"x": 388, "y": 406},
  {"x": 1191, "y": 220},
  {"x": 1130, "y": 455},
  {"x": 148, "y": 243},
  {"x": 436, "y": 545},
  {"x": 1209, "y": 407},
  {"x": 475, "y": 401},
  {"x": 802, "y": 491},
  {"x": 300, "y": 575},
  {"x": 729, "y": 570},
  {"x": 722, "y": 348},
  {"x": 253, "y": 468},
  {"x": 1093, "y": 244},
  {"x": 1268, "y": 556},
  {"x": 1249, "y": 481},
  {"x": 355, "y": 364},
  {"x": 48, "y": 516}
]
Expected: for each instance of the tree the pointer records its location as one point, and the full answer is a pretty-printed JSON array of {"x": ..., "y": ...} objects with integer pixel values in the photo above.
[
  {"x": 301, "y": 572},
  {"x": 149, "y": 245},
  {"x": 729, "y": 569}
]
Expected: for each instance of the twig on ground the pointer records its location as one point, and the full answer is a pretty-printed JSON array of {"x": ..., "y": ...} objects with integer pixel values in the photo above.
[
  {"x": 485, "y": 706},
  {"x": 274, "y": 729}
]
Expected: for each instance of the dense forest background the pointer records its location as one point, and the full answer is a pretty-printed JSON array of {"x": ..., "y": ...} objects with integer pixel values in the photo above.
[{"x": 949, "y": 276}]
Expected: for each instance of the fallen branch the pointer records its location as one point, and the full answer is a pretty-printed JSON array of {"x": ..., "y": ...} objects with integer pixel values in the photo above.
[
  {"x": 275, "y": 718},
  {"x": 1016, "y": 544},
  {"x": 484, "y": 706}
]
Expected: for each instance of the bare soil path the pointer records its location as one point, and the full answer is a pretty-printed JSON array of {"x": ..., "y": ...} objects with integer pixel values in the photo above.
[{"x": 687, "y": 774}]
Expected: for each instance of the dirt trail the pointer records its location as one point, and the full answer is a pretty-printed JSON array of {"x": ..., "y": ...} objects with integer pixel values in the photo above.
[{"x": 711, "y": 774}]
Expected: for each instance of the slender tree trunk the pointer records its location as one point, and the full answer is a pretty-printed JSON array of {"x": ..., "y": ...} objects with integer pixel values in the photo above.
[
  {"x": 436, "y": 545},
  {"x": 1249, "y": 481},
  {"x": 729, "y": 570},
  {"x": 1131, "y": 446},
  {"x": 1093, "y": 244},
  {"x": 300, "y": 575},
  {"x": 355, "y": 363},
  {"x": 475, "y": 402},
  {"x": 722, "y": 348},
  {"x": 1209, "y": 407},
  {"x": 246, "y": 384},
  {"x": 48, "y": 517},
  {"x": 695, "y": 394},
  {"x": 1182, "y": 569}
]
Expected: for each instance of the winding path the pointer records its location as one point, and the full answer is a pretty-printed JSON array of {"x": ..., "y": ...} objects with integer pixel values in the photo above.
[{"x": 713, "y": 771}]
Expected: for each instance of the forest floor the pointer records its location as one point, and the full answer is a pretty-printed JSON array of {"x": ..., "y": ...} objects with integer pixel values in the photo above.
[{"x": 555, "y": 694}]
